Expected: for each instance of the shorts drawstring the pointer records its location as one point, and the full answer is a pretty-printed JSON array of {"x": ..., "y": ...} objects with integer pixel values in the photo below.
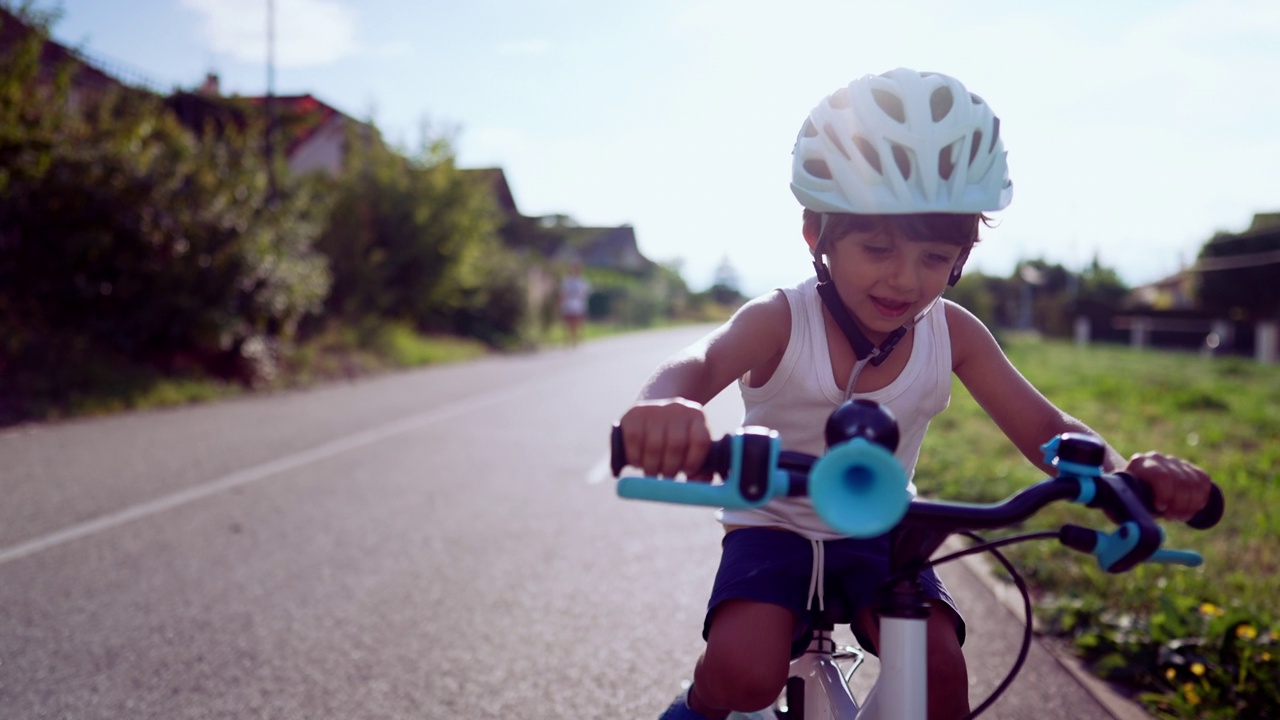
[{"x": 817, "y": 576}]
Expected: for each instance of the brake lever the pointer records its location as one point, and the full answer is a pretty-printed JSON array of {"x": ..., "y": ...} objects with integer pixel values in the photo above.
[{"x": 1118, "y": 551}]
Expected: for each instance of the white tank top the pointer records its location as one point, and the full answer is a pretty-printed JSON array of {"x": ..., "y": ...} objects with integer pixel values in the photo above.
[{"x": 802, "y": 393}]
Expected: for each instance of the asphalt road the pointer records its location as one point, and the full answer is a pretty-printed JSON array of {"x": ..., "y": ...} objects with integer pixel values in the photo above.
[{"x": 444, "y": 543}]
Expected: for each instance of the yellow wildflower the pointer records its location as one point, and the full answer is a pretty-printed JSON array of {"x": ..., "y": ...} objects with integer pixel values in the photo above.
[
  {"x": 1170, "y": 674},
  {"x": 1189, "y": 692},
  {"x": 1265, "y": 657},
  {"x": 1197, "y": 669},
  {"x": 1211, "y": 610},
  {"x": 1246, "y": 632}
]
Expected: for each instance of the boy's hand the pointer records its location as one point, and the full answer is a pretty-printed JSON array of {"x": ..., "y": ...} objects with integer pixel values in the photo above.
[
  {"x": 1179, "y": 489},
  {"x": 666, "y": 437}
]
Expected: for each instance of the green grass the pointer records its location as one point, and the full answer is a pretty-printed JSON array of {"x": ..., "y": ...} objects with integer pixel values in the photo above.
[
  {"x": 1152, "y": 626},
  {"x": 94, "y": 382}
]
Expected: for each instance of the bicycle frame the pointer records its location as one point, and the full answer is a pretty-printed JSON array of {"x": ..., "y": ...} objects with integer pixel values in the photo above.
[
  {"x": 858, "y": 489},
  {"x": 818, "y": 687}
]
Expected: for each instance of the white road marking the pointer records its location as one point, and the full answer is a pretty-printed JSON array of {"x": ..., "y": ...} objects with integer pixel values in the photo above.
[{"x": 249, "y": 475}]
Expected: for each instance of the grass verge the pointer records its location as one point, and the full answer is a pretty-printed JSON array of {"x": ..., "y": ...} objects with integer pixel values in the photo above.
[{"x": 1201, "y": 642}]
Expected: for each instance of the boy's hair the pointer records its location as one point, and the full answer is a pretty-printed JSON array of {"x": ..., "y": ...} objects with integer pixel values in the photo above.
[{"x": 959, "y": 229}]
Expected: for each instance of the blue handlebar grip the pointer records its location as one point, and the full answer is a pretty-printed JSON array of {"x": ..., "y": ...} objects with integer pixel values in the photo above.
[
  {"x": 1178, "y": 557},
  {"x": 672, "y": 491},
  {"x": 751, "y": 479}
]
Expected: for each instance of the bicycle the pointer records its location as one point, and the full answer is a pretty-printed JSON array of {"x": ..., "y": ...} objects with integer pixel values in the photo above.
[{"x": 860, "y": 490}]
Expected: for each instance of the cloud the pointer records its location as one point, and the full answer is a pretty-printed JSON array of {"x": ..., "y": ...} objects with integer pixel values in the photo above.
[{"x": 308, "y": 33}]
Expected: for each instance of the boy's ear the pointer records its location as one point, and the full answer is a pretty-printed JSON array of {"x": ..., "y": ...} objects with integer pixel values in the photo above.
[
  {"x": 958, "y": 268},
  {"x": 812, "y": 230}
]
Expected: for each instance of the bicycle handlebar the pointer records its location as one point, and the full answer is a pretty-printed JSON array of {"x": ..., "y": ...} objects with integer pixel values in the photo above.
[{"x": 859, "y": 489}]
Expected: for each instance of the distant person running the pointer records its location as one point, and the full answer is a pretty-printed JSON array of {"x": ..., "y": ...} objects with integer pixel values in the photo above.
[{"x": 574, "y": 290}]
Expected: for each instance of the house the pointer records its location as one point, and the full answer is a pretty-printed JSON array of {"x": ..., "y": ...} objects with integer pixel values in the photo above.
[
  {"x": 1176, "y": 292},
  {"x": 88, "y": 82},
  {"x": 312, "y": 134},
  {"x": 1227, "y": 302},
  {"x": 613, "y": 248},
  {"x": 559, "y": 238}
]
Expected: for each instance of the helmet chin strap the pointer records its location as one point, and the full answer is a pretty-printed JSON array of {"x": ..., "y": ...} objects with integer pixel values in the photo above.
[{"x": 862, "y": 347}]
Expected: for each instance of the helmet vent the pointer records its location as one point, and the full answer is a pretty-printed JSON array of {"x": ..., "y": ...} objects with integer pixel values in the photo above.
[
  {"x": 995, "y": 132},
  {"x": 817, "y": 168},
  {"x": 902, "y": 158},
  {"x": 946, "y": 165},
  {"x": 940, "y": 102},
  {"x": 891, "y": 104},
  {"x": 809, "y": 130},
  {"x": 868, "y": 152},
  {"x": 840, "y": 99},
  {"x": 975, "y": 145}
]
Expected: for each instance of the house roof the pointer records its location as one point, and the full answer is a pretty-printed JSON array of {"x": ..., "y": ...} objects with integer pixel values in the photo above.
[
  {"x": 1258, "y": 246},
  {"x": 307, "y": 113},
  {"x": 605, "y": 247},
  {"x": 496, "y": 179},
  {"x": 53, "y": 56},
  {"x": 1265, "y": 222}
]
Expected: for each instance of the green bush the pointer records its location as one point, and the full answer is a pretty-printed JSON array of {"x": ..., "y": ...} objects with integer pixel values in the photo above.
[
  {"x": 416, "y": 239},
  {"x": 123, "y": 234}
]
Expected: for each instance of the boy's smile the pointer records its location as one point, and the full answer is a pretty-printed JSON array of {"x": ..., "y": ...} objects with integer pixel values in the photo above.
[
  {"x": 885, "y": 280},
  {"x": 890, "y": 308}
]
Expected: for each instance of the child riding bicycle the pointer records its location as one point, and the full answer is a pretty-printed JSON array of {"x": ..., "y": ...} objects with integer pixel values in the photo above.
[{"x": 895, "y": 173}]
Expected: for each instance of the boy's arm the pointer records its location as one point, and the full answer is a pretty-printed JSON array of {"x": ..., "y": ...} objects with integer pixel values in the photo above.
[
  {"x": 1028, "y": 418},
  {"x": 666, "y": 431},
  {"x": 1025, "y": 416}
]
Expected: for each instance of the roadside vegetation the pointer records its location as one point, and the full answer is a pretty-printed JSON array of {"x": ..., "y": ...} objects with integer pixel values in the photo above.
[
  {"x": 1192, "y": 643},
  {"x": 153, "y": 252}
]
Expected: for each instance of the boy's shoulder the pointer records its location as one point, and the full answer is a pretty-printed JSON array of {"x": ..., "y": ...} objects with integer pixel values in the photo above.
[
  {"x": 766, "y": 318},
  {"x": 967, "y": 332},
  {"x": 772, "y": 307}
]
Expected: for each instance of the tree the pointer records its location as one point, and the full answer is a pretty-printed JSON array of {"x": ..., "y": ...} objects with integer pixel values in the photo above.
[
  {"x": 1237, "y": 273},
  {"x": 123, "y": 235},
  {"x": 416, "y": 239},
  {"x": 726, "y": 289}
]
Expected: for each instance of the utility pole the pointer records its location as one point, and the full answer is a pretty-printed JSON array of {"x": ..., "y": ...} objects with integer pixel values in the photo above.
[{"x": 271, "y": 101}]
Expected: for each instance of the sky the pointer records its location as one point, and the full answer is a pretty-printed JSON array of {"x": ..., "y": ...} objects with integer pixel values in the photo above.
[{"x": 1135, "y": 130}]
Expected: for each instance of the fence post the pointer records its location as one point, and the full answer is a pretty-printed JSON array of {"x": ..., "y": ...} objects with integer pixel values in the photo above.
[
  {"x": 1084, "y": 330},
  {"x": 1265, "y": 342},
  {"x": 1140, "y": 332}
]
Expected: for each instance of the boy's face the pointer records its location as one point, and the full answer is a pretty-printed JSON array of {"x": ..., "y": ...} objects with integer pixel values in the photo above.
[{"x": 885, "y": 279}]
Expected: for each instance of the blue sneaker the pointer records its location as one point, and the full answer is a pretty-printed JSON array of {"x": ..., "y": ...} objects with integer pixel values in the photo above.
[{"x": 680, "y": 710}]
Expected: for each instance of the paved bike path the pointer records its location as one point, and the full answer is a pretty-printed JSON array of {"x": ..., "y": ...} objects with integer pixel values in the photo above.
[{"x": 420, "y": 545}]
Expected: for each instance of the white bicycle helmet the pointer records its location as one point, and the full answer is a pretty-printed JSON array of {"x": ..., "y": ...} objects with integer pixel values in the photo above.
[{"x": 902, "y": 142}]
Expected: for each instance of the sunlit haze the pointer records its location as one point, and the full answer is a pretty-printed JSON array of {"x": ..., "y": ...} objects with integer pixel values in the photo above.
[{"x": 1135, "y": 130}]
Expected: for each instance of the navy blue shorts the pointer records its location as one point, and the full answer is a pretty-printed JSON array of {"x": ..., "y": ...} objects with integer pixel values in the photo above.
[{"x": 775, "y": 566}]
